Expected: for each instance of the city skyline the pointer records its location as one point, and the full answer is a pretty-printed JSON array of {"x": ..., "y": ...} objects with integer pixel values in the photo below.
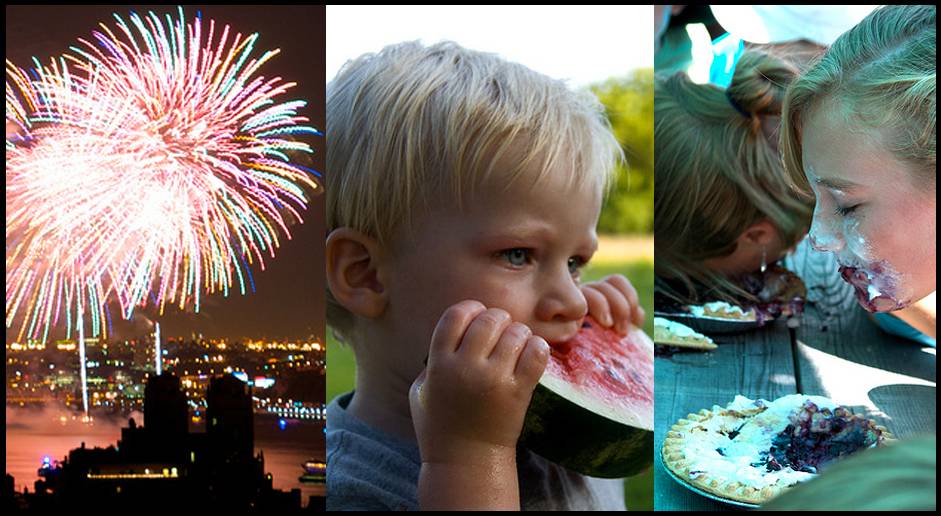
[{"x": 218, "y": 465}]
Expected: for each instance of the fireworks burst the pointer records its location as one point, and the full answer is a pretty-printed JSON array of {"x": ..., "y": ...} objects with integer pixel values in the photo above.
[{"x": 155, "y": 168}]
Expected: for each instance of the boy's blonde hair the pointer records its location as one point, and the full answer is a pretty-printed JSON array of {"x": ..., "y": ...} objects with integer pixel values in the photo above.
[
  {"x": 414, "y": 127},
  {"x": 883, "y": 73},
  {"x": 717, "y": 173}
]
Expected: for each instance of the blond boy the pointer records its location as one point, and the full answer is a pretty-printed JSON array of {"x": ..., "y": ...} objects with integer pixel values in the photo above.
[{"x": 462, "y": 201}]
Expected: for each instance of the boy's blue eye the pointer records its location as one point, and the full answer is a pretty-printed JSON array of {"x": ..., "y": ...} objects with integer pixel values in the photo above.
[{"x": 517, "y": 257}]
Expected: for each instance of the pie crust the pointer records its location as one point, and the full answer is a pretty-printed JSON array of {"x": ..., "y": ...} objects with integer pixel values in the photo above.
[
  {"x": 725, "y": 451},
  {"x": 673, "y": 333}
]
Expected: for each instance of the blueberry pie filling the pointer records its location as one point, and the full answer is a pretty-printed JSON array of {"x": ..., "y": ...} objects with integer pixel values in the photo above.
[
  {"x": 774, "y": 292},
  {"x": 817, "y": 437}
]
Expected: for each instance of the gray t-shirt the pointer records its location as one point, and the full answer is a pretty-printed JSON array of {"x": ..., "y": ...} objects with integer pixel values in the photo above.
[{"x": 368, "y": 469}]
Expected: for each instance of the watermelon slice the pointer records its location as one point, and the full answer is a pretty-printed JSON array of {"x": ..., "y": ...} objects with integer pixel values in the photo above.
[{"x": 592, "y": 411}]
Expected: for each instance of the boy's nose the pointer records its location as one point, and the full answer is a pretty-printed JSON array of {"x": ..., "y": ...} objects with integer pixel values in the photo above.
[{"x": 562, "y": 301}]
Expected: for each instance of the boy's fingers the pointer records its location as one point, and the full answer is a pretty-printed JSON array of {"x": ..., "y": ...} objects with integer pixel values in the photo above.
[
  {"x": 638, "y": 316},
  {"x": 597, "y": 305},
  {"x": 508, "y": 348},
  {"x": 624, "y": 285},
  {"x": 452, "y": 325},
  {"x": 483, "y": 333},
  {"x": 618, "y": 304},
  {"x": 416, "y": 394},
  {"x": 533, "y": 360}
]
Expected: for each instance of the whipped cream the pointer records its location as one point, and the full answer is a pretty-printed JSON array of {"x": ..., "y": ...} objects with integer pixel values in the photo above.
[
  {"x": 742, "y": 458},
  {"x": 719, "y": 307}
]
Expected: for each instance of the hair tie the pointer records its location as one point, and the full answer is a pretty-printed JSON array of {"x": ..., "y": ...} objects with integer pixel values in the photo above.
[{"x": 736, "y": 105}]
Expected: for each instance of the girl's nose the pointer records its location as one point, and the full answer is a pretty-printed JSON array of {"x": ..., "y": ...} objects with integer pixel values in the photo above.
[{"x": 823, "y": 237}]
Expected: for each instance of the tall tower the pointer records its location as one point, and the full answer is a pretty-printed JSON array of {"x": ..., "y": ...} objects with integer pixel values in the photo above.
[
  {"x": 229, "y": 419},
  {"x": 165, "y": 414}
]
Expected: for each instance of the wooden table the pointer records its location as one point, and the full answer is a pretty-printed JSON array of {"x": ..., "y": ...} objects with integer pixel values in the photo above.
[{"x": 840, "y": 354}]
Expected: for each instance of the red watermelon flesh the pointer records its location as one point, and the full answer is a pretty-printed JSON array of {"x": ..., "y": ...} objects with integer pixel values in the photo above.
[{"x": 613, "y": 369}]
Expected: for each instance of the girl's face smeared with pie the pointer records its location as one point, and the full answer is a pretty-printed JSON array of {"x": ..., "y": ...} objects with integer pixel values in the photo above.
[{"x": 873, "y": 211}]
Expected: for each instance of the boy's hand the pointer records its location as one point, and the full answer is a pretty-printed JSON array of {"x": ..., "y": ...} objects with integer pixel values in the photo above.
[
  {"x": 469, "y": 403},
  {"x": 613, "y": 302}
]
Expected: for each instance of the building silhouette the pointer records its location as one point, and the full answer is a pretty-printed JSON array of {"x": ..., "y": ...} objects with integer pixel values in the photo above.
[
  {"x": 162, "y": 466},
  {"x": 165, "y": 419},
  {"x": 229, "y": 420}
]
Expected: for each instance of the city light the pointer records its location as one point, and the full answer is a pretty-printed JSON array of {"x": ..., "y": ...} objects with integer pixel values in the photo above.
[
  {"x": 116, "y": 374},
  {"x": 94, "y": 476}
]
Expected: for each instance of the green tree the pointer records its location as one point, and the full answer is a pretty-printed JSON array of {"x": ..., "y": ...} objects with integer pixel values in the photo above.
[{"x": 628, "y": 102}]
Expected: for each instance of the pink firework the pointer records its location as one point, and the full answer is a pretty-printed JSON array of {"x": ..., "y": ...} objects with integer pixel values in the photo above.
[
  {"x": 157, "y": 168},
  {"x": 21, "y": 101}
]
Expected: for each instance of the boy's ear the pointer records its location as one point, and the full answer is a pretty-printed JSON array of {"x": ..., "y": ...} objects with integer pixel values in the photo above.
[
  {"x": 352, "y": 272},
  {"x": 759, "y": 233}
]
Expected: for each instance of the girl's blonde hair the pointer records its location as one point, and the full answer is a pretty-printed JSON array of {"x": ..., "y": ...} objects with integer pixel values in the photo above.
[
  {"x": 414, "y": 127},
  {"x": 882, "y": 71},
  {"x": 717, "y": 173}
]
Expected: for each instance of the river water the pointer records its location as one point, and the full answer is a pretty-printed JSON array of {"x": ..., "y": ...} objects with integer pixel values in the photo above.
[{"x": 32, "y": 434}]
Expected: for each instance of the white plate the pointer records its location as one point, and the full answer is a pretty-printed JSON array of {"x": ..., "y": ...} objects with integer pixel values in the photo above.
[
  {"x": 707, "y": 324},
  {"x": 704, "y": 493}
]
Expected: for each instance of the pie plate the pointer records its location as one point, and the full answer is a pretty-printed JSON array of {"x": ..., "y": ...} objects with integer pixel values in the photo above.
[
  {"x": 707, "y": 324},
  {"x": 704, "y": 493}
]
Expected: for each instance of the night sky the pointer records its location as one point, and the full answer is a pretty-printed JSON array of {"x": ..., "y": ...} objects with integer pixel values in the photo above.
[{"x": 289, "y": 297}]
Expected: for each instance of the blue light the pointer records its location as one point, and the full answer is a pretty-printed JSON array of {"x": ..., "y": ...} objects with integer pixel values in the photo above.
[
  {"x": 282, "y": 424},
  {"x": 46, "y": 460}
]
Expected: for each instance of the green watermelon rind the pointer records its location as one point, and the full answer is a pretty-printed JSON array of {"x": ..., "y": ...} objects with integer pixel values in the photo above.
[{"x": 594, "y": 445}]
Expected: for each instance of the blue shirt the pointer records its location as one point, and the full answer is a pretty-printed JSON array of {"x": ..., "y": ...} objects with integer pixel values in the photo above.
[
  {"x": 368, "y": 469},
  {"x": 895, "y": 326}
]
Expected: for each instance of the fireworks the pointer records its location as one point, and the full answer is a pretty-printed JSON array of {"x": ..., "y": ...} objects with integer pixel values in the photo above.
[
  {"x": 19, "y": 92},
  {"x": 148, "y": 167}
]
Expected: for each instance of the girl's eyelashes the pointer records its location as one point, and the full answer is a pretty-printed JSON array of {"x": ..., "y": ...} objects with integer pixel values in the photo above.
[
  {"x": 841, "y": 211},
  {"x": 517, "y": 257}
]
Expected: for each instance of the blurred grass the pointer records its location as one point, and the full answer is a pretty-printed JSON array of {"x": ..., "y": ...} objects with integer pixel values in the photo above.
[
  {"x": 341, "y": 367},
  {"x": 638, "y": 490}
]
